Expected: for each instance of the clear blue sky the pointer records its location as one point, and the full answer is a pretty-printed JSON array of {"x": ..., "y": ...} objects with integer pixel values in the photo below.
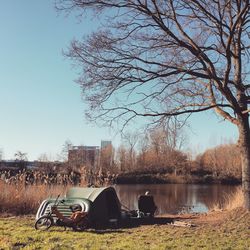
[{"x": 40, "y": 105}]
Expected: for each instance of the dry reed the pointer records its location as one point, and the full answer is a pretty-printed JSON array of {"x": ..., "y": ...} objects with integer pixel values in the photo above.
[
  {"x": 234, "y": 200},
  {"x": 231, "y": 201},
  {"x": 20, "y": 199}
]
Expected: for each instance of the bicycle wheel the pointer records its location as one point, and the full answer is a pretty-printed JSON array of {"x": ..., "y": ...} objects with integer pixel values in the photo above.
[{"x": 44, "y": 223}]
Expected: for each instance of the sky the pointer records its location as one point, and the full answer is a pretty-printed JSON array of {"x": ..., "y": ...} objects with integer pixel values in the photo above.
[{"x": 40, "y": 104}]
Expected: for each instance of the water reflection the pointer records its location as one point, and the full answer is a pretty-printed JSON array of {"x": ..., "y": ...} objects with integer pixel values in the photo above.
[{"x": 176, "y": 198}]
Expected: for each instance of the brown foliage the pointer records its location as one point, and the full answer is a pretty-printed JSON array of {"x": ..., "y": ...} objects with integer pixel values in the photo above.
[{"x": 223, "y": 160}]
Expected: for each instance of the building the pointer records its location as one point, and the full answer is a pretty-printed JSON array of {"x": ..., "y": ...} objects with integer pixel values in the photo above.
[
  {"x": 104, "y": 144},
  {"x": 84, "y": 155},
  {"x": 91, "y": 156}
]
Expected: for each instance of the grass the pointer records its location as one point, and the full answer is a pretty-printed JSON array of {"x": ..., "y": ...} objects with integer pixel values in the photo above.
[{"x": 224, "y": 230}]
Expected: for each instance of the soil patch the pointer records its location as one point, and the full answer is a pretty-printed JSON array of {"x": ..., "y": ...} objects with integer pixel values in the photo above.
[{"x": 213, "y": 218}]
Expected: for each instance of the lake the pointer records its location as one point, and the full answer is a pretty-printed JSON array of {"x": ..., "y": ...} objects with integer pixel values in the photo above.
[{"x": 176, "y": 198}]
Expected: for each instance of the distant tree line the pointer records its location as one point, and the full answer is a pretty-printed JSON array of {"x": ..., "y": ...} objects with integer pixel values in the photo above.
[
  {"x": 157, "y": 151},
  {"x": 222, "y": 161}
]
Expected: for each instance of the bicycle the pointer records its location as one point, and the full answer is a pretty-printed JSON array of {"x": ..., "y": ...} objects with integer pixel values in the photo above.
[{"x": 47, "y": 221}]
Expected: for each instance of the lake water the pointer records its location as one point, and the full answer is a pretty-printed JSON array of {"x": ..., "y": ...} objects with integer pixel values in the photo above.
[{"x": 176, "y": 198}]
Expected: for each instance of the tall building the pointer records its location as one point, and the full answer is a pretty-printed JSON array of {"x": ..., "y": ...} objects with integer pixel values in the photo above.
[
  {"x": 105, "y": 144},
  {"x": 106, "y": 155}
]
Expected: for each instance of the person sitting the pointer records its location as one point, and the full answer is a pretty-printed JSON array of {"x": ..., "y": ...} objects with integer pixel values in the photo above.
[
  {"x": 146, "y": 204},
  {"x": 76, "y": 216}
]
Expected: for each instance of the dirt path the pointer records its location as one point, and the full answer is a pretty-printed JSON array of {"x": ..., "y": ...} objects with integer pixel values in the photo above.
[{"x": 213, "y": 218}]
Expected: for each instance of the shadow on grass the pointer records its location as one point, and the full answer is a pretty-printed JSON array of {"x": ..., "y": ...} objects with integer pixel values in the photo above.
[
  {"x": 105, "y": 231},
  {"x": 135, "y": 222},
  {"x": 131, "y": 223}
]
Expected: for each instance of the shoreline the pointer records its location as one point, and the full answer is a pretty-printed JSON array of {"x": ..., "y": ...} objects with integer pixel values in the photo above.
[{"x": 132, "y": 178}]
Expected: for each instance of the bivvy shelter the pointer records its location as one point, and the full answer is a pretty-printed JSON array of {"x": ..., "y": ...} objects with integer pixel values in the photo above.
[
  {"x": 105, "y": 205},
  {"x": 102, "y": 204}
]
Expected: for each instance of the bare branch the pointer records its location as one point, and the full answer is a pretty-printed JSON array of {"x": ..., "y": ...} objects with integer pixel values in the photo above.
[{"x": 164, "y": 58}]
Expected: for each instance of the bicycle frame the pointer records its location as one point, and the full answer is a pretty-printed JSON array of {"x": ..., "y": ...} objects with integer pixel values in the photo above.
[{"x": 46, "y": 221}]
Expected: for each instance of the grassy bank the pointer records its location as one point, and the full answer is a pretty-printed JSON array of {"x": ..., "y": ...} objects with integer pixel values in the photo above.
[{"x": 217, "y": 230}]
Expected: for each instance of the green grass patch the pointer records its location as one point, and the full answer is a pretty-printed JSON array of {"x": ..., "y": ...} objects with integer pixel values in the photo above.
[{"x": 233, "y": 233}]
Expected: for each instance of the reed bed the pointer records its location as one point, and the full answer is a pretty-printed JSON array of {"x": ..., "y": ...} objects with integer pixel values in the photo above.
[
  {"x": 231, "y": 201},
  {"x": 234, "y": 200},
  {"x": 20, "y": 200}
]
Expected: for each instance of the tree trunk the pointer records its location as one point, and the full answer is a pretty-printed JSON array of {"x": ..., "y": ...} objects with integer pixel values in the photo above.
[{"x": 244, "y": 143}]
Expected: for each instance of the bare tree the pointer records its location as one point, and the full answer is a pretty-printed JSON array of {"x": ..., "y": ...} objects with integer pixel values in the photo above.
[
  {"x": 161, "y": 152},
  {"x": 21, "y": 159},
  {"x": 143, "y": 146},
  {"x": 68, "y": 145},
  {"x": 20, "y": 156},
  {"x": 107, "y": 158},
  {"x": 122, "y": 158},
  {"x": 130, "y": 139},
  {"x": 160, "y": 59}
]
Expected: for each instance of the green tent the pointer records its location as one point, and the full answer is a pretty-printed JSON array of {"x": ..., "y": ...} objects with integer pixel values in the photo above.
[
  {"x": 105, "y": 205},
  {"x": 102, "y": 204}
]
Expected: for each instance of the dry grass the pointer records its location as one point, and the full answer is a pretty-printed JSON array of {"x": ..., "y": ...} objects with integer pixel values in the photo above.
[
  {"x": 231, "y": 201},
  {"x": 18, "y": 199},
  {"x": 234, "y": 200}
]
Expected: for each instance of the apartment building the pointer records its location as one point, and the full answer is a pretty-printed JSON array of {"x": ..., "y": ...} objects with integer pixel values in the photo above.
[{"x": 84, "y": 155}]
